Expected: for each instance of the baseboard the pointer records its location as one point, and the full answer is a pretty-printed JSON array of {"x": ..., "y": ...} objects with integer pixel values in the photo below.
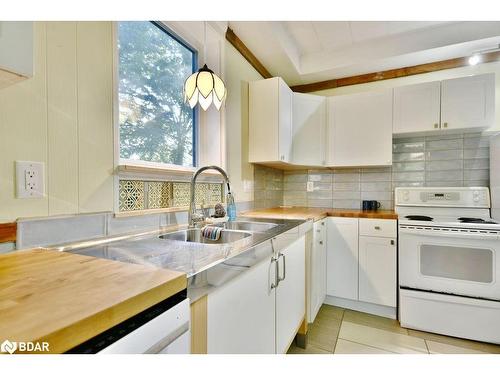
[{"x": 370, "y": 308}]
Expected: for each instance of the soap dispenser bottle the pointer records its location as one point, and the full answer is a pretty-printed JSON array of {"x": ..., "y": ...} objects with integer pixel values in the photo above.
[{"x": 231, "y": 207}]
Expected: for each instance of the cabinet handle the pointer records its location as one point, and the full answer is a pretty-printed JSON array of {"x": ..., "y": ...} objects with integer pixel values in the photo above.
[
  {"x": 436, "y": 126},
  {"x": 392, "y": 242},
  {"x": 445, "y": 125},
  {"x": 277, "y": 269},
  {"x": 377, "y": 227},
  {"x": 318, "y": 230},
  {"x": 280, "y": 279},
  {"x": 321, "y": 242},
  {"x": 323, "y": 223}
]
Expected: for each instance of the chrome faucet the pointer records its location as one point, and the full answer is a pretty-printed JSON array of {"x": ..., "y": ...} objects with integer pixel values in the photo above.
[{"x": 193, "y": 216}]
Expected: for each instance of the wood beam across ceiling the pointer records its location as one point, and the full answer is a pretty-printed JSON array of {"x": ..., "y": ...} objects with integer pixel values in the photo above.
[
  {"x": 246, "y": 53},
  {"x": 362, "y": 78},
  {"x": 394, "y": 73}
]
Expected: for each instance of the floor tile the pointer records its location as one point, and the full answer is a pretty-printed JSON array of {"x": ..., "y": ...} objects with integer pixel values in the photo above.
[
  {"x": 311, "y": 349},
  {"x": 323, "y": 337},
  {"x": 349, "y": 347},
  {"x": 455, "y": 341},
  {"x": 382, "y": 339},
  {"x": 331, "y": 312},
  {"x": 440, "y": 348},
  {"x": 374, "y": 321},
  {"x": 326, "y": 321}
]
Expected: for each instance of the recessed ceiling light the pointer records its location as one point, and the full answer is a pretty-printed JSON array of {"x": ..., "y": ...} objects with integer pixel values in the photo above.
[{"x": 474, "y": 59}]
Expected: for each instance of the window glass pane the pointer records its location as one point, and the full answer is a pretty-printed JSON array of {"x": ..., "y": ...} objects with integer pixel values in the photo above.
[{"x": 155, "y": 123}]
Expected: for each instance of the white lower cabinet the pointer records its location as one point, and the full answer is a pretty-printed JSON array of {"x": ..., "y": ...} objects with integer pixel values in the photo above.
[
  {"x": 342, "y": 257},
  {"x": 290, "y": 294},
  {"x": 317, "y": 282},
  {"x": 377, "y": 270},
  {"x": 249, "y": 315},
  {"x": 362, "y": 264}
]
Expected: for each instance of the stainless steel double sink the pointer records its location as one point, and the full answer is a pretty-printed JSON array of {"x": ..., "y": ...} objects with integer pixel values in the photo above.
[{"x": 233, "y": 231}]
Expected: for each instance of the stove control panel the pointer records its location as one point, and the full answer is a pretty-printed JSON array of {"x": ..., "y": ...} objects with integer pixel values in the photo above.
[
  {"x": 433, "y": 196},
  {"x": 443, "y": 197}
]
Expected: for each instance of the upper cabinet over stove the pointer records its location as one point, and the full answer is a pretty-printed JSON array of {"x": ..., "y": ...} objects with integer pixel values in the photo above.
[{"x": 292, "y": 130}]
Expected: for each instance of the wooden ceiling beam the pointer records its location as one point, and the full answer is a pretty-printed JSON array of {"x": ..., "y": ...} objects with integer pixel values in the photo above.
[
  {"x": 394, "y": 73},
  {"x": 232, "y": 38}
]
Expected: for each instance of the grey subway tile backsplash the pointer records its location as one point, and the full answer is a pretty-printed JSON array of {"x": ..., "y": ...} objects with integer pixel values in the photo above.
[{"x": 441, "y": 160}]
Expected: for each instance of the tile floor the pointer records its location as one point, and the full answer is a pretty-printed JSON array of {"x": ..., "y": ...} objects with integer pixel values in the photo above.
[{"x": 341, "y": 331}]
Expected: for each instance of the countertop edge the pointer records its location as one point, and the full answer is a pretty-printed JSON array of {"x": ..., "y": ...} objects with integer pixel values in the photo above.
[{"x": 85, "y": 329}]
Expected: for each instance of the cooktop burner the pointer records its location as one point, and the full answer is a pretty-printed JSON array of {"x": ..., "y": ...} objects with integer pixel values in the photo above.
[
  {"x": 419, "y": 217},
  {"x": 474, "y": 220}
]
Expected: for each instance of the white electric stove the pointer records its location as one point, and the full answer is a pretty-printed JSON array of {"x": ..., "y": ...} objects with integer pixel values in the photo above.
[{"x": 449, "y": 262}]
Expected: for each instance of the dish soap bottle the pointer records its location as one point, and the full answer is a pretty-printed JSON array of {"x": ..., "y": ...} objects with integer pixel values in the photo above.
[{"x": 231, "y": 207}]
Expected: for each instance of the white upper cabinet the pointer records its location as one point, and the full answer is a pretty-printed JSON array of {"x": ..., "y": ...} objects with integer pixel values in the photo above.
[
  {"x": 360, "y": 129},
  {"x": 468, "y": 102},
  {"x": 417, "y": 108},
  {"x": 308, "y": 129},
  {"x": 270, "y": 121},
  {"x": 16, "y": 51}
]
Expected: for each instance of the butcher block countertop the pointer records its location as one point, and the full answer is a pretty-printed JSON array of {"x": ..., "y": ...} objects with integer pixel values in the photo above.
[
  {"x": 308, "y": 213},
  {"x": 65, "y": 299}
]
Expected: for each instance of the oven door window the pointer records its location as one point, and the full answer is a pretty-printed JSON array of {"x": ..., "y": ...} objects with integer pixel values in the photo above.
[{"x": 455, "y": 262}]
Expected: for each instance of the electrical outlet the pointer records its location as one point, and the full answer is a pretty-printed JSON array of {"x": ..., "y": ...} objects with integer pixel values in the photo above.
[
  {"x": 29, "y": 179},
  {"x": 310, "y": 186}
]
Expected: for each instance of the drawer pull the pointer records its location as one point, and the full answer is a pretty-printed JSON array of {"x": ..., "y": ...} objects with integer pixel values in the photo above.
[
  {"x": 392, "y": 242},
  {"x": 321, "y": 242},
  {"x": 323, "y": 223},
  {"x": 377, "y": 227}
]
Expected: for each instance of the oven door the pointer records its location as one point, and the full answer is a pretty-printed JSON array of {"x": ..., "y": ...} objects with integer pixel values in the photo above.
[{"x": 464, "y": 262}]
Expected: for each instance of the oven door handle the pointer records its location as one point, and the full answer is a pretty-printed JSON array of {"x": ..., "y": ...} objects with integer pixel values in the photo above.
[{"x": 439, "y": 233}]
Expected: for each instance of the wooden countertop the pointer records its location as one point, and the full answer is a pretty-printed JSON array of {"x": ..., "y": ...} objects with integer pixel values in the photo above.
[
  {"x": 307, "y": 213},
  {"x": 66, "y": 299}
]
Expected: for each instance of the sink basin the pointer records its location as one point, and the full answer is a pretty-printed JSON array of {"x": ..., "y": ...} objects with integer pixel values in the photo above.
[
  {"x": 251, "y": 226},
  {"x": 194, "y": 235}
]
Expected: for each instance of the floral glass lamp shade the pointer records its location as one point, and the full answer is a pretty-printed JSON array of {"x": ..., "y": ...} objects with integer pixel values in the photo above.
[{"x": 204, "y": 87}]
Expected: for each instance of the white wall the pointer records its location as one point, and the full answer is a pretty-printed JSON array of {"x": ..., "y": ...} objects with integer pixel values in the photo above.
[
  {"x": 62, "y": 116},
  {"x": 493, "y": 67},
  {"x": 238, "y": 73}
]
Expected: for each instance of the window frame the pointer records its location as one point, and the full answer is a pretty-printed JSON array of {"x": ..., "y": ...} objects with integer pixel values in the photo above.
[{"x": 121, "y": 163}]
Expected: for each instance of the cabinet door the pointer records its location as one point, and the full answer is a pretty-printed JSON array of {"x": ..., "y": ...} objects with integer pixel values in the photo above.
[
  {"x": 377, "y": 270},
  {"x": 241, "y": 314},
  {"x": 342, "y": 257},
  {"x": 285, "y": 121},
  {"x": 317, "y": 287},
  {"x": 290, "y": 294},
  {"x": 263, "y": 117},
  {"x": 417, "y": 107},
  {"x": 309, "y": 127},
  {"x": 468, "y": 102},
  {"x": 360, "y": 129}
]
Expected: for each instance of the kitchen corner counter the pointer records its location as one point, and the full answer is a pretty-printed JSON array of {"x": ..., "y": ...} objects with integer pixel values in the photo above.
[
  {"x": 309, "y": 213},
  {"x": 65, "y": 299}
]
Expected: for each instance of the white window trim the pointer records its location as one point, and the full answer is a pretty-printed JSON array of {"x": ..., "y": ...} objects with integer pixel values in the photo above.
[{"x": 137, "y": 169}]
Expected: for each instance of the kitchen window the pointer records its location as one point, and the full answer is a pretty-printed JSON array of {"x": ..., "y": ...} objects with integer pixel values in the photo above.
[{"x": 155, "y": 125}]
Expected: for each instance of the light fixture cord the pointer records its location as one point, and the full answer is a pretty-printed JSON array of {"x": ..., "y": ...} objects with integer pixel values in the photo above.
[{"x": 205, "y": 42}]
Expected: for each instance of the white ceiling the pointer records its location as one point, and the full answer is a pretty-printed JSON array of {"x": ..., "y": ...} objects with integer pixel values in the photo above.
[{"x": 310, "y": 51}]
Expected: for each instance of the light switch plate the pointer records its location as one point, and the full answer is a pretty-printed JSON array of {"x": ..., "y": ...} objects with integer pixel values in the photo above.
[
  {"x": 310, "y": 186},
  {"x": 29, "y": 179}
]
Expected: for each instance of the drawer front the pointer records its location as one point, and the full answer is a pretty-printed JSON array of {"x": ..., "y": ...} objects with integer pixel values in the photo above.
[{"x": 377, "y": 227}]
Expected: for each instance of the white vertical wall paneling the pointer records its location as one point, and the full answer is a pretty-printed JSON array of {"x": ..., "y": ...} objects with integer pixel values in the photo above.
[
  {"x": 62, "y": 170},
  {"x": 95, "y": 116},
  {"x": 23, "y": 129}
]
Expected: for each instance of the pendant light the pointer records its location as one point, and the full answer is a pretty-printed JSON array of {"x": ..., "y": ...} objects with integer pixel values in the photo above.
[{"x": 204, "y": 87}]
